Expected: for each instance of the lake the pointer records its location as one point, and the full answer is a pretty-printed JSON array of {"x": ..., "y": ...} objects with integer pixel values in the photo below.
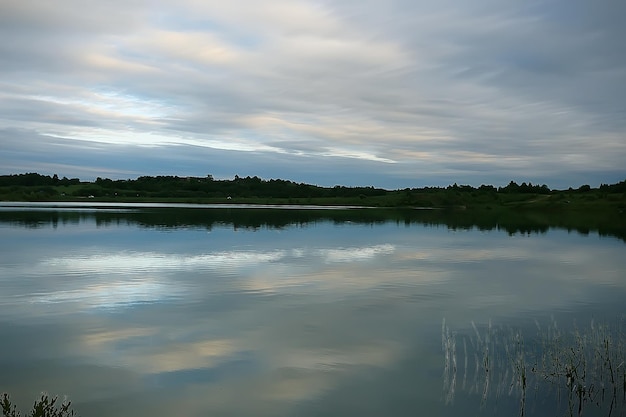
[{"x": 140, "y": 310}]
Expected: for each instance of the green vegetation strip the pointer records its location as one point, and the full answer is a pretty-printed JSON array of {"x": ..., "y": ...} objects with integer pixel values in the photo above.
[{"x": 254, "y": 190}]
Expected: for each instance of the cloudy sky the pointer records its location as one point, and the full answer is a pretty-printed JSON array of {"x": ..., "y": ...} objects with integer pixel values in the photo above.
[{"x": 390, "y": 93}]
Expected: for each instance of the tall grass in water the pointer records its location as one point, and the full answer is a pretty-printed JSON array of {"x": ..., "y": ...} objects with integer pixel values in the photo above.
[{"x": 578, "y": 369}]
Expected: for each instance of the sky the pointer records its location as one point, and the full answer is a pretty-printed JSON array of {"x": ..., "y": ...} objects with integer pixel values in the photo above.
[{"x": 388, "y": 93}]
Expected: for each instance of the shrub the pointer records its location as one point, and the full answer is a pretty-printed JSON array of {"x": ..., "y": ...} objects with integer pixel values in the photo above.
[{"x": 43, "y": 407}]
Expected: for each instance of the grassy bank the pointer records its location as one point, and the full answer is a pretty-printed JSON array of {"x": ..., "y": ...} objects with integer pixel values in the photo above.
[{"x": 558, "y": 201}]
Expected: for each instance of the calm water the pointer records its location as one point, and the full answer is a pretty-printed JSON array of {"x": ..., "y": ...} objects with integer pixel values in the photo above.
[{"x": 139, "y": 311}]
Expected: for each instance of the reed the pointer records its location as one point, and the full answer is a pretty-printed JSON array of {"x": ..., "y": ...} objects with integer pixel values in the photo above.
[{"x": 576, "y": 369}]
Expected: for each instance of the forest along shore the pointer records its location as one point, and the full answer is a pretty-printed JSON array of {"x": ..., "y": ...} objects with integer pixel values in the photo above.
[{"x": 254, "y": 190}]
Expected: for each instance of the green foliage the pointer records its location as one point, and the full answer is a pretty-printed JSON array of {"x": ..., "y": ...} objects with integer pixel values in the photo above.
[
  {"x": 43, "y": 407},
  {"x": 254, "y": 190}
]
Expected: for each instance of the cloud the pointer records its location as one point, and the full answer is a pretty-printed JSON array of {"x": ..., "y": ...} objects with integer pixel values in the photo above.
[{"x": 431, "y": 92}]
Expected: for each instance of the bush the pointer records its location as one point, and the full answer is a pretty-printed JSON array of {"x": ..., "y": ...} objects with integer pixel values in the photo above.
[{"x": 43, "y": 407}]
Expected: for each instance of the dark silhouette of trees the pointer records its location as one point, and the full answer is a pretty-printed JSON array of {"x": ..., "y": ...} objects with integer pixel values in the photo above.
[{"x": 33, "y": 186}]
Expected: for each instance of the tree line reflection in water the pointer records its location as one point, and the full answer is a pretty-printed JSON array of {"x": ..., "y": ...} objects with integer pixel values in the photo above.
[{"x": 512, "y": 222}]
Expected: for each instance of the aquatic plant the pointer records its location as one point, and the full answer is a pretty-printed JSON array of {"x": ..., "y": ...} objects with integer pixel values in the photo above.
[
  {"x": 43, "y": 407},
  {"x": 579, "y": 368}
]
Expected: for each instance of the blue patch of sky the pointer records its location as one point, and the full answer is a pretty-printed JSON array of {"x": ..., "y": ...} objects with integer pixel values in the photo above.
[{"x": 179, "y": 23}]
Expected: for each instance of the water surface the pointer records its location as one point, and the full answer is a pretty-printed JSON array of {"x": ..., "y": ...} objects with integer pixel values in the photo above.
[{"x": 156, "y": 311}]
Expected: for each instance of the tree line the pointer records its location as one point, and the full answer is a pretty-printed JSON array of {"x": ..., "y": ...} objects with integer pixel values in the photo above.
[{"x": 31, "y": 186}]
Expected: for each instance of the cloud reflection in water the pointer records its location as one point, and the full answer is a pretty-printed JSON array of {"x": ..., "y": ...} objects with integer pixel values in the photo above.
[
  {"x": 297, "y": 322},
  {"x": 127, "y": 278}
]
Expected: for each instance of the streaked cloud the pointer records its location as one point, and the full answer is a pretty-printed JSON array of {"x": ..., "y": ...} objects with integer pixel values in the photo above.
[{"x": 388, "y": 94}]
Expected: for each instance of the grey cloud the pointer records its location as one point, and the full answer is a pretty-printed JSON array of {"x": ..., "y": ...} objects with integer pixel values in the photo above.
[
  {"x": 69, "y": 16},
  {"x": 84, "y": 159},
  {"x": 424, "y": 84}
]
